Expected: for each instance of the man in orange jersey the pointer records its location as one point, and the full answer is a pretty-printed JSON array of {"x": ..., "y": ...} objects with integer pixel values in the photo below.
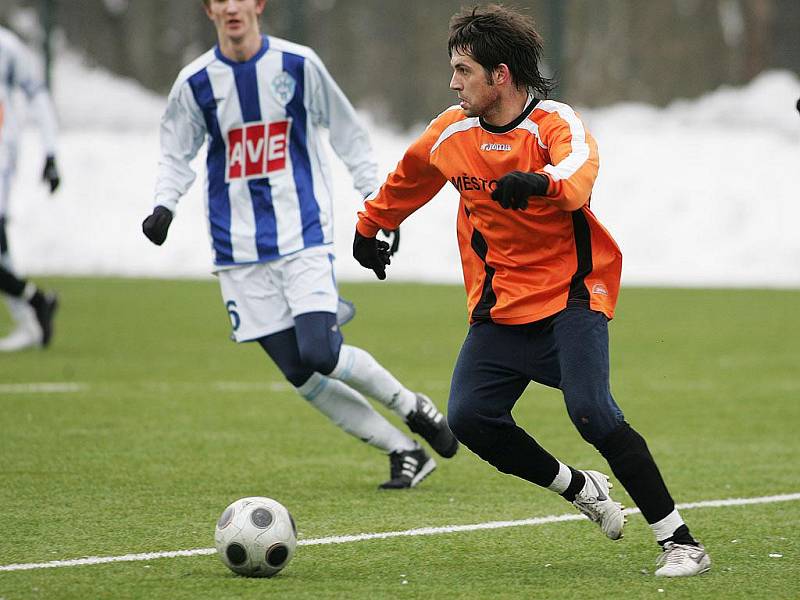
[{"x": 542, "y": 274}]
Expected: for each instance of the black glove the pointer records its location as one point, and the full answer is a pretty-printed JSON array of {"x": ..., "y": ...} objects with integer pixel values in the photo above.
[
  {"x": 394, "y": 236},
  {"x": 155, "y": 226},
  {"x": 371, "y": 253},
  {"x": 50, "y": 173},
  {"x": 514, "y": 189}
]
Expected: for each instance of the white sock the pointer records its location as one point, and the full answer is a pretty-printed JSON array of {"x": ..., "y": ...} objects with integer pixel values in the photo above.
[
  {"x": 358, "y": 369},
  {"x": 350, "y": 411},
  {"x": 562, "y": 480},
  {"x": 665, "y": 528}
]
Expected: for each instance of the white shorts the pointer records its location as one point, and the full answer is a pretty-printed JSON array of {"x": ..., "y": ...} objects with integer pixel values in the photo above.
[{"x": 263, "y": 298}]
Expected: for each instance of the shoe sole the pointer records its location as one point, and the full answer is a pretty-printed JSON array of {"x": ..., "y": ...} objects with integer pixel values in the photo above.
[
  {"x": 426, "y": 470},
  {"x": 705, "y": 570}
]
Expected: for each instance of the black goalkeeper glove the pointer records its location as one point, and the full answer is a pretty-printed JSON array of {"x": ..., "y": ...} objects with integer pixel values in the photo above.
[
  {"x": 394, "y": 237},
  {"x": 50, "y": 173},
  {"x": 372, "y": 253},
  {"x": 155, "y": 226},
  {"x": 514, "y": 189}
]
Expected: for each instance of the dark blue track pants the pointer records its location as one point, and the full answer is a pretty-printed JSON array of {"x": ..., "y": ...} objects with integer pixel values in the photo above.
[{"x": 568, "y": 351}]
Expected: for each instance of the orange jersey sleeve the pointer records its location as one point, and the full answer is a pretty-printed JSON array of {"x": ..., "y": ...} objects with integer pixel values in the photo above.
[
  {"x": 574, "y": 160},
  {"x": 518, "y": 266},
  {"x": 411, "y": 185}
]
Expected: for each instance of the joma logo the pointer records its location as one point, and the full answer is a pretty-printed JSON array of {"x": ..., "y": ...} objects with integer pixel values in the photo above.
[
  {"x": 257, "y": 149},
  {"x": 500, "y": 147}
]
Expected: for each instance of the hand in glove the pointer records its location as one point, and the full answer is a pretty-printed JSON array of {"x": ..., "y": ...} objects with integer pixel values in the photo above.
[
  {"x": 371, "y": 253},
  {"x": 514, "y": 189},
  {"x": 50, "y": 173},
  {"x": 155, "y": 226},
  {"x": 394, "y": 236}
]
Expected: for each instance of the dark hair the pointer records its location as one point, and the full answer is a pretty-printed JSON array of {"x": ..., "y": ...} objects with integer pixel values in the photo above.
[{"x": 495, "y": 34}]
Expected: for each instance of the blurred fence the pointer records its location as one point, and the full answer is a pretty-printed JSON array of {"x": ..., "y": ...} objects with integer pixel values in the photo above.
[{"x": 390, "y": 55}]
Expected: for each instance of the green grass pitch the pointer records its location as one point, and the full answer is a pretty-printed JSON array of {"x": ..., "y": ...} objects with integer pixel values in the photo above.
[{"x": 169, "y": 421}]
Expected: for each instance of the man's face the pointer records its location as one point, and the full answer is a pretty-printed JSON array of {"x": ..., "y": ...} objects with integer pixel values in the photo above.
[
  {"x": 477, "y": 95},
  {"x": 235, "y": 19}
]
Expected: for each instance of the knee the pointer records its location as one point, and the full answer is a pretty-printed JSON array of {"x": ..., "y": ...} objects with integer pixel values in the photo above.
[
  {"x": 470, "y": 427},
  {"x": 297, "y": 376},
  {"x": 282, "y": 349},
  {"x": 318, "y": 357},
  {"x": 595, "y": 421},
  {"x": 459, "y": 423}
]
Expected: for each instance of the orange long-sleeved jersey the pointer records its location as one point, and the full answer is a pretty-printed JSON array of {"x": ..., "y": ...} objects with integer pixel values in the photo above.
[{"x": 519, "y": 266}]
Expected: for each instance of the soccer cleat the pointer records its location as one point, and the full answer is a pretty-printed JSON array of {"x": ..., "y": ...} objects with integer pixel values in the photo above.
[
  {"x": 408, "y": 468},
  {"x": 44, "y": 315},
  {"x": 24, "y": 336},
  {"x": 595, "y": 502},
  {"x": 682, "y": 560},
  {"x": 27, "y": 333},
  {"x": 430, "y": 423}
]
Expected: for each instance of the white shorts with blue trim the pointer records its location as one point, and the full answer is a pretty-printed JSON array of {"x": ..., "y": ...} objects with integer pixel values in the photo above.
[{"x": 264, "y": 298}]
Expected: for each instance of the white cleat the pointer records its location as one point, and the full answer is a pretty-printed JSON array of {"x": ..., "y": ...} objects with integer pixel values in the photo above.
[
  {"x": 25, "y": 335},
  {"x": 595, "y": 502},
  {"x": 682, "y": 560}
]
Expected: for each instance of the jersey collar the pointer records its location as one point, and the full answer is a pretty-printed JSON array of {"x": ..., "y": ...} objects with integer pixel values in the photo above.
[
  {"x": 532, "y": 102},
  {"x": 264, "y": 47}
]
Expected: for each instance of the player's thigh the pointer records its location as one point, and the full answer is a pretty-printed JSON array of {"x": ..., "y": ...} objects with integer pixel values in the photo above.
[
  {"x": 308, "y": 282},
  {"x": 489, "y": 375},
  {"x": 255, "y": 301},
  {"x": 582, "y": 339}
]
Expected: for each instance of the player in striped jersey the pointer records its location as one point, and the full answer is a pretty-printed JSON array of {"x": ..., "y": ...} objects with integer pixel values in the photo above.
[
  {"x": 260, "y": 103},
  {"x": 542, "y": 274},
  {"x": 31, "y": 309}
]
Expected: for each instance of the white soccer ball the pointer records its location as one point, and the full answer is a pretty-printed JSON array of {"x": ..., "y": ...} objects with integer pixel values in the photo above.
[{"x": 255, "y": 537}]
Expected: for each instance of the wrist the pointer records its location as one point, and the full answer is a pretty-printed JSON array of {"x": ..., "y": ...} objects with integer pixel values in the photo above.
[
  {"x": 366, "y": 230},
  {"x": 541, "y": 183}
]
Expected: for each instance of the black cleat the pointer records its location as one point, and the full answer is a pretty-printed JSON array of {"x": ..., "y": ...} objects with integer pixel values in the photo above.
[
  {"x": 408, "y": 468},
  {"x": 45, "y": 311},
  {"x": 430, "y": 423}
]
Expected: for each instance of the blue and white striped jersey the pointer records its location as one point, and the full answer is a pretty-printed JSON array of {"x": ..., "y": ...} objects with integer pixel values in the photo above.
[{"x": 268, "y": 188}]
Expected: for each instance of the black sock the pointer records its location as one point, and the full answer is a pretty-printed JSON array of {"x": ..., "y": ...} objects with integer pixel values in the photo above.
[
  {"x": 680, "y": 536},
  {"x": 630, "y": 460},
  {"x": 575, "y": 486},
  {"x": 10, "y": 283}
]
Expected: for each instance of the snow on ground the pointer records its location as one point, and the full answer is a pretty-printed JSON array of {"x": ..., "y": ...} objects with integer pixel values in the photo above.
[{"x": 703, "y": 192}]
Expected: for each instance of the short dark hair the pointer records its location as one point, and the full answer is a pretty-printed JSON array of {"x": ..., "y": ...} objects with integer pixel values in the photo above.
[{"x": 495, "y": 34}]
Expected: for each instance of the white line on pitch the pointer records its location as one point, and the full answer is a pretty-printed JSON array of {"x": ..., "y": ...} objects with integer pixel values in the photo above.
[
  {"x": 343, "y": 539},
  {"x": 237, "y": 387},
  {"x": 42, "y": 388}
]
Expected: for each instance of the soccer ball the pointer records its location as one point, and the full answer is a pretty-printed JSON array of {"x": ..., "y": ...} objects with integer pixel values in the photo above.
[{"x": 255, "y": 537}]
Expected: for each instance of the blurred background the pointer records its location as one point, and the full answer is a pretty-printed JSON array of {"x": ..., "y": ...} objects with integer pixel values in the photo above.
[
  {"x": 391, "y": 55},
  {"x": 684, "y": 96}
]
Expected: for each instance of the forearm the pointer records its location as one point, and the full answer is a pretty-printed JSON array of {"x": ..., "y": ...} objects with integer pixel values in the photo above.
[{"x": 567, "y": 196}]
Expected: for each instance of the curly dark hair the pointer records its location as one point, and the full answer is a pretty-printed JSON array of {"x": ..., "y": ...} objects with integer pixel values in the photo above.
[{"x": 495, "y": 34}]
